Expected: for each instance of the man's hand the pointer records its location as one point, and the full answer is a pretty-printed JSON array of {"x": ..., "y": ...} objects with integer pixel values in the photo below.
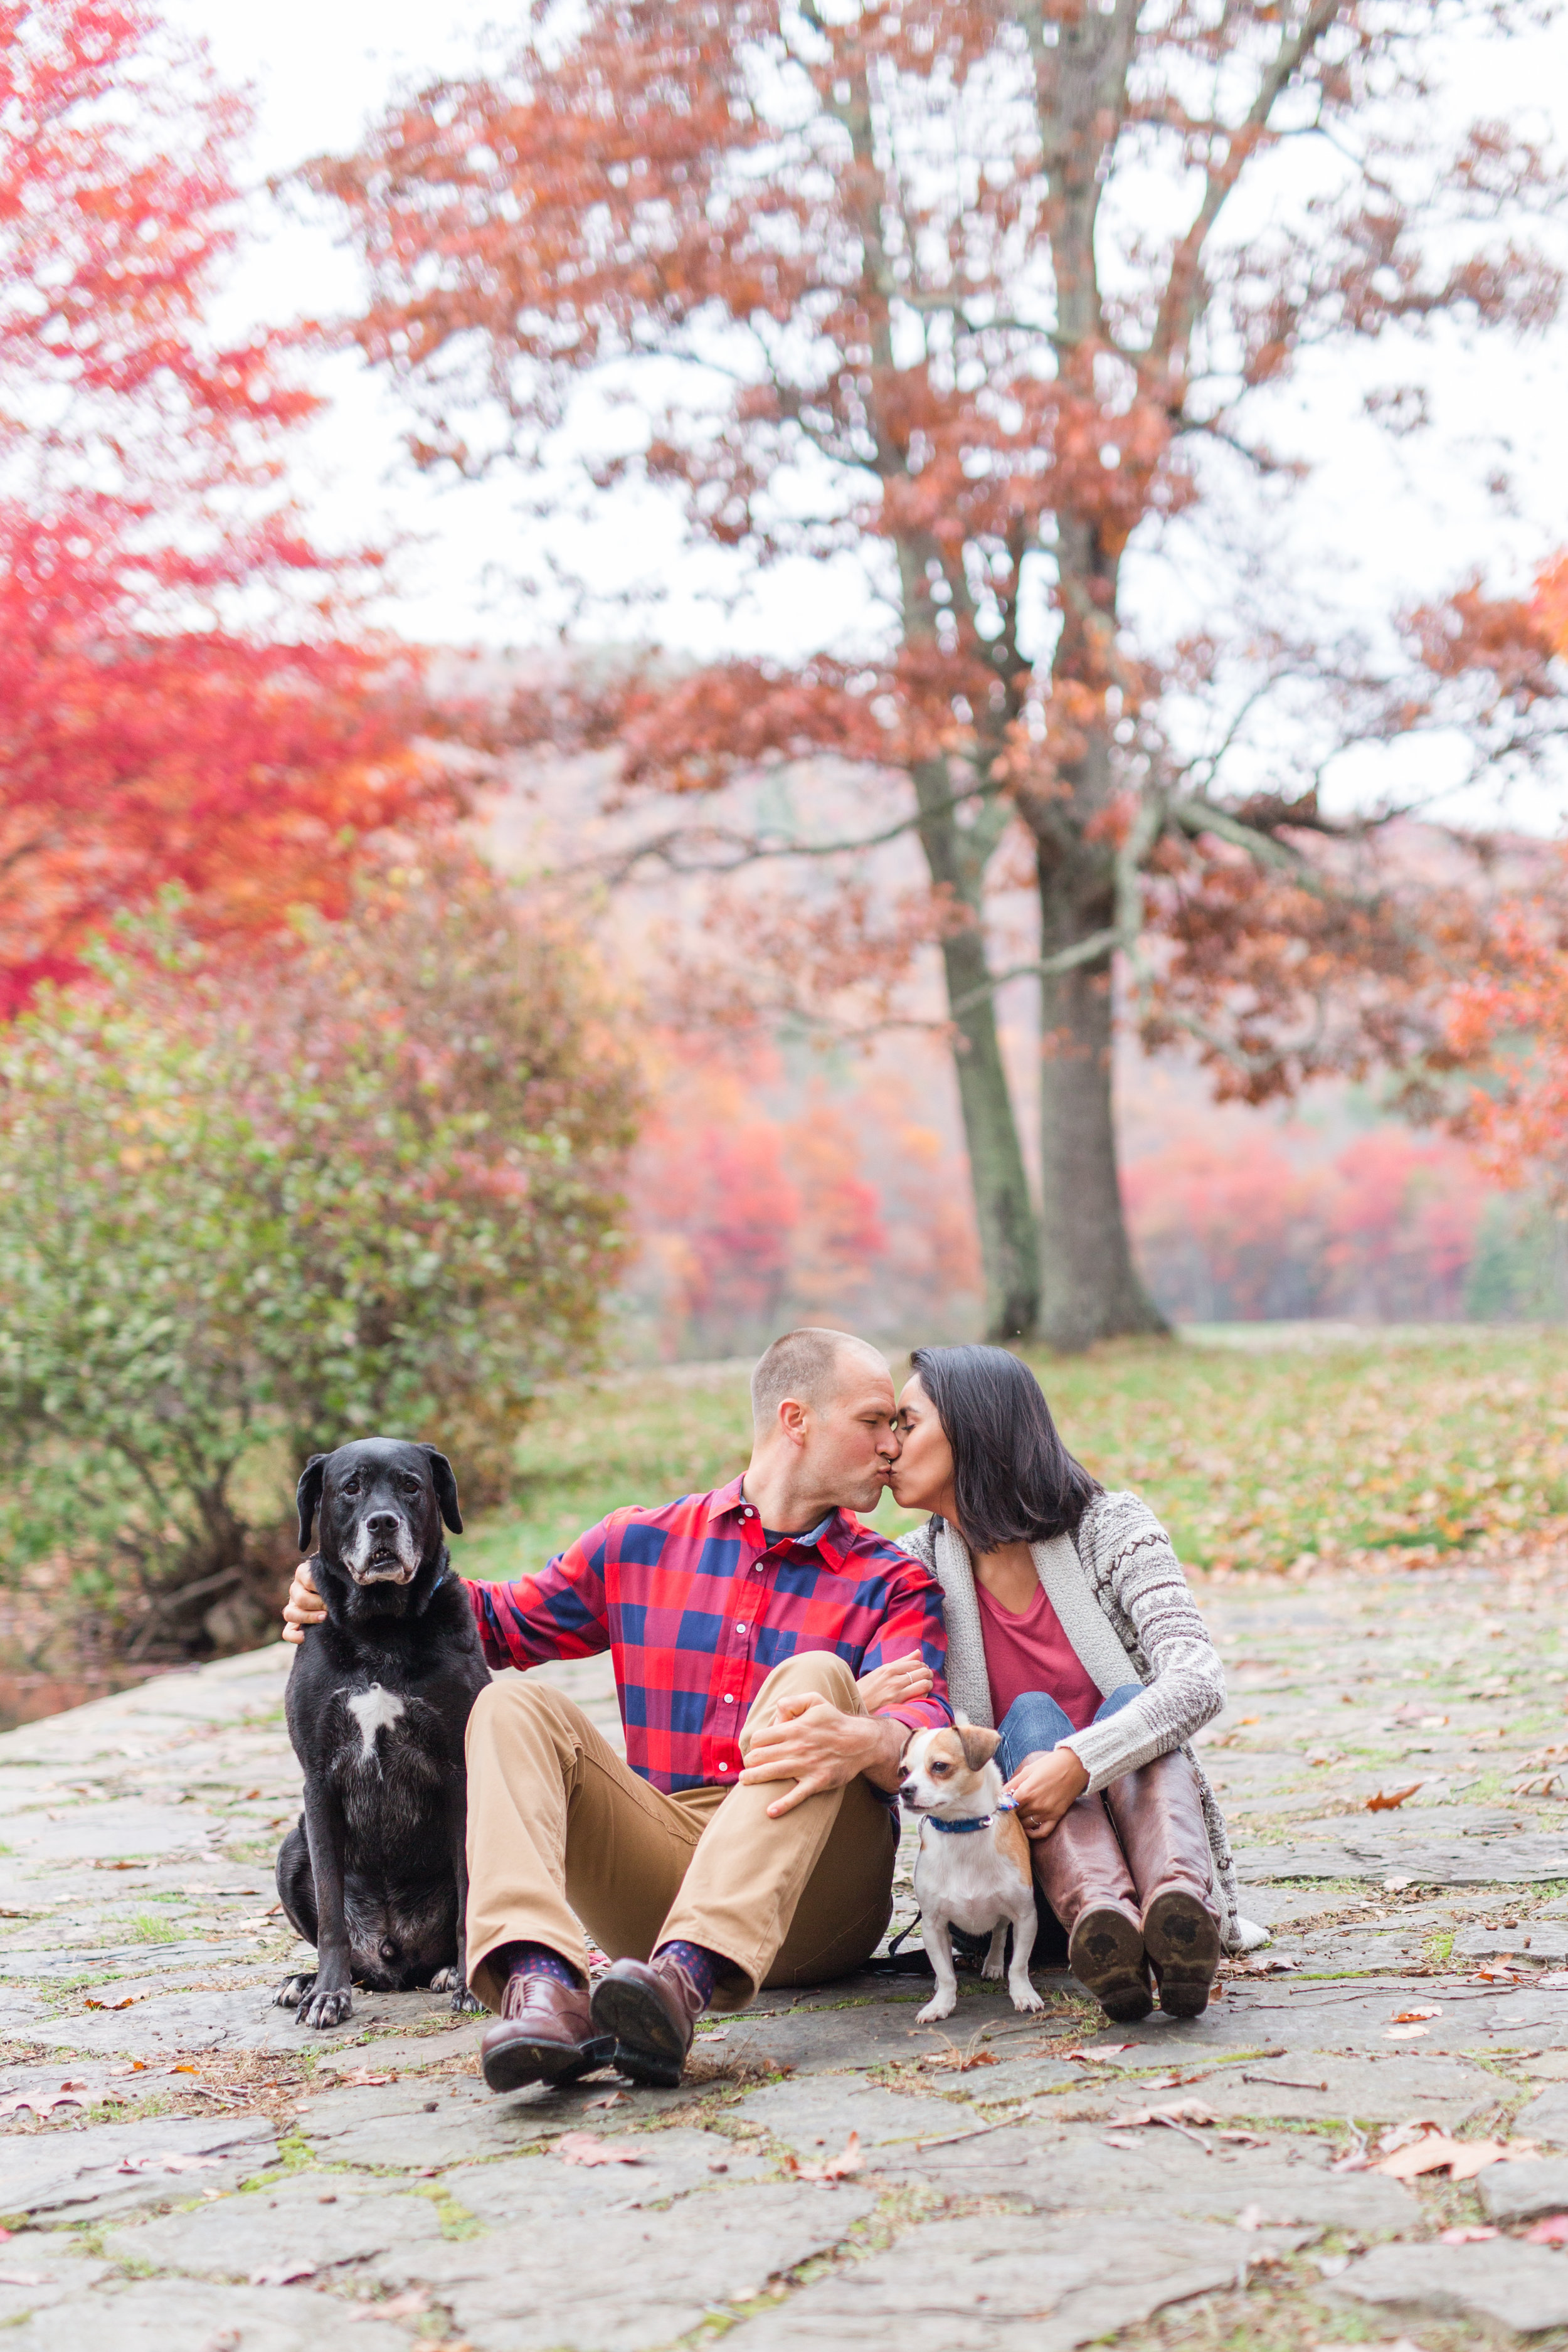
[
  {"x": 1045, "y": 1784},
  {"x": 894, "y": 1685},
  {"x": 815, "y": 1744},
  {"x": 304, "y": 1605}
]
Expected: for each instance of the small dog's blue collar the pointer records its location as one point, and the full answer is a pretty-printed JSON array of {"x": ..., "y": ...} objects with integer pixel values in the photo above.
[{"x": 962, "y": 1829}]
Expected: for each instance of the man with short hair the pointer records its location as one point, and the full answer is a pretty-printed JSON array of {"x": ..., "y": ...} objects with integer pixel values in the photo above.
[{"x": 742, "y": 1624}]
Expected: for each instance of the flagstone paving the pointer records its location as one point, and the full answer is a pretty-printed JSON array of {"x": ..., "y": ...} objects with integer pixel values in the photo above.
[{"x": 183, "y": 2168}]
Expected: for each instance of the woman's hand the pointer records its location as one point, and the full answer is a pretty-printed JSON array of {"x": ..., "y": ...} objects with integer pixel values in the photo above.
[
  {"x": 1044, "y": 1785},
  {"x": 895, "y": 1683},
  {"x": 304, "y": 1605}
]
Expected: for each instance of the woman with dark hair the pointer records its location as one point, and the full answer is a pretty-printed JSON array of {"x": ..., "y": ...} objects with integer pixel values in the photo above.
[{"x": 1071, "y": 1627}]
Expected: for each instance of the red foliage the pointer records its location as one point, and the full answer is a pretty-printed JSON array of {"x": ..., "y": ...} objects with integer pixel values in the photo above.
[
  {"x": 1384, "y": 1231},
  {"x": 177, "y": 705}
]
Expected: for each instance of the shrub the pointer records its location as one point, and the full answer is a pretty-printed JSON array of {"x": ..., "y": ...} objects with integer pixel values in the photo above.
[{"x": 248, "y": 1214}]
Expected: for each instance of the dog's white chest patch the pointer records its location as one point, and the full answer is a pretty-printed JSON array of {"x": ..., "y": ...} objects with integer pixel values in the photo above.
[{"x": 374, "y": 1710}]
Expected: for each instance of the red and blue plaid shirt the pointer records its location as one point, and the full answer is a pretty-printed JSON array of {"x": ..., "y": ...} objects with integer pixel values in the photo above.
[{"x": 697, "y": 1613}]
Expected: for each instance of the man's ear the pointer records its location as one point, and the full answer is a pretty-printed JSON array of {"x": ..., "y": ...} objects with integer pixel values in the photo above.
[
  {"x": 978, "y": 1744},
  {"x": 445, "y": 1488},
  {"x": 308, "y": 1496}
]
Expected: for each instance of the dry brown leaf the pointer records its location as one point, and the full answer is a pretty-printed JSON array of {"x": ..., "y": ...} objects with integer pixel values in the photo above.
[
  {"x": 1415, "y": 2016},
  {"x": 410, "y": 2304},
  {"x": 837, "y": 2168},
  {"x": 1385, "y": 1800},
  {"x": 1461, "y": 2159},
  {"x": 128, "y": 2002},
  {"x": 610, "y": 2099},
  {"x": 366, "y": 2078},
  {"x": 1099, "y": 2052},
  {"x": 954, "y": 2061},
  {"x": 587, "y": 2148}
]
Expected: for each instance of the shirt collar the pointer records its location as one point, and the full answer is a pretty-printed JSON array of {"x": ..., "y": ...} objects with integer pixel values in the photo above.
[{"x": 831, "y": 1536}]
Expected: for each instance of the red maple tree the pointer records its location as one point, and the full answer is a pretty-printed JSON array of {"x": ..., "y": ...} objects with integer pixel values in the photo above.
[
  {"x": 179, "y": 701},
  {"x": 959, "y": 288}
]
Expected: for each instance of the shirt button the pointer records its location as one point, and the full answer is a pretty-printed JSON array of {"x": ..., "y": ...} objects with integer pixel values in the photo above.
[
  {"x": 724, "y": 1768},
  {"x": 740, "y": 1628},
  {"x": 729, "y": 1698}
]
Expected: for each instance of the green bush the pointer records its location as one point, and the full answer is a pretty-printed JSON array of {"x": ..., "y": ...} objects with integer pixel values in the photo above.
[{"x": 246, "y": 1214}]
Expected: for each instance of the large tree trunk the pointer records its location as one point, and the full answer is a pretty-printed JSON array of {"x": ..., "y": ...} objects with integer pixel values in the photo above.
[
  {"x": 1090, "y": 1288},
  {"x": 1009, "y": 1248},
  {"x": 1004, "y": 1214}
]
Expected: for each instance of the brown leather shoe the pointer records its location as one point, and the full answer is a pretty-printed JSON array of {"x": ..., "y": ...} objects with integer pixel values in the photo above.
[
  {"x": 544, "y": 2033},
  {"x": 651, "y": 2008}
]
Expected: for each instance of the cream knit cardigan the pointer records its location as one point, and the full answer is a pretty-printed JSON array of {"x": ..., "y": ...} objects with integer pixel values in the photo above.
[{"x": 1119, "y": 1591}]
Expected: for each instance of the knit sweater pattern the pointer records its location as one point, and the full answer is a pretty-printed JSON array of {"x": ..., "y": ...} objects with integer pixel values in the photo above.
[{"x": 1118, "y": 1588}]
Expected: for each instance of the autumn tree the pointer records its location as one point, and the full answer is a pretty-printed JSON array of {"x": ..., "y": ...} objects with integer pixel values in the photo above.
[
  {"x": 179, "y": 701},
  {"x": 977, "y": 295}
]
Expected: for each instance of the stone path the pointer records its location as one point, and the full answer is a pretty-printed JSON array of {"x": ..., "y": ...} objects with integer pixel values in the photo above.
[{"x": 183, "y": 2168}]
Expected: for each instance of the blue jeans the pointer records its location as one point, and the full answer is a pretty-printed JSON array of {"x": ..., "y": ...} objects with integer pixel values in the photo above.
[{"x": 1034, "y": 1722}]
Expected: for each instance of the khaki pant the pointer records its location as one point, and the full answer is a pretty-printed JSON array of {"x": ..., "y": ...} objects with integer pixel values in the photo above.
[{"x": 563, "y": 1835}]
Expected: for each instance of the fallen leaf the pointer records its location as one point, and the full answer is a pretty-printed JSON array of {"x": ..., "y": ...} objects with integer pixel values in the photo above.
[
  {"x": 365, "y": 2077},
  {"x": 957, "y": 2062},
  {"x": 1242, "y": 1720},
  {"x": 1553, "y": 2231},
  {"x": 284, "y": 2274},
  {"x": 585, "y": 2147},
  {"x": 137, "y": 2066},
  {"x": 1404, "y": 2032},
  {"x": 168, "y": 2163},
  {"x": 1099, "y": 2053},
  {"x": 1414, "y": 2016},
  {"x": 41, "y": 2102},
  {"x": 1460, "y": 2159},
  {"x": 1405, "y": 2135},
  {"x": 610, "y": 2099},
  {"x": 1385, "y": 1801},
  {"x": 837, "y": 2168},
  {"x": 1397, "y": 1885},
  {"x": 128, "y": 2002},
  {"x": 410, "y": 2304},
  {"x": 723, "y": 2035},
  {"x": 1471, "y": 2233}
]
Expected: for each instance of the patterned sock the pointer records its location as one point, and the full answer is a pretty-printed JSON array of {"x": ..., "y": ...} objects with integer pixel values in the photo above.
[
  {"x": 704, "y": 1966},
  {"x": 536, "y": 1960}
]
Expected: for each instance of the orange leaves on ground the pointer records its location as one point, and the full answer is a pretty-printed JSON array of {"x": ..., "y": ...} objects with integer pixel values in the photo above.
[
  {"x": 848, "y": 2160},
  {"x": 1385, "y": 1801},
  {"x": 587, "y": 2147},
  {"x": 1423, "y": 2146}
]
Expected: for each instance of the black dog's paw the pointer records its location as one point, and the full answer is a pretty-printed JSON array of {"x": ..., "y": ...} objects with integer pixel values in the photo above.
[
  {"x": 464, "y": 2002},
  {"x": 328, "y": 2008},
  {"x": 296, "y": 1989}
]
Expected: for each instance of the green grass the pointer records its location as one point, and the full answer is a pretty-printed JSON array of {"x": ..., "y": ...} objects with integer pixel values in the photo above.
[{"x": 1372, "y": 1451}]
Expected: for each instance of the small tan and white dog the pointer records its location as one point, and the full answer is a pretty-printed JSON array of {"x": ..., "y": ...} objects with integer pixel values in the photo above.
[{"x": 973, "y": 1868}]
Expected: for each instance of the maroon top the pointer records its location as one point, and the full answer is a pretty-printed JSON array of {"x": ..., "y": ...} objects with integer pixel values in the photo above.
[{"x": 1029, "y": 1652}]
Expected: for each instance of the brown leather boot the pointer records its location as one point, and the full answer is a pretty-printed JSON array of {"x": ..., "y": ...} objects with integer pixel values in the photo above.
[
  {"x": 1159, "y": 1817},
  {"x": 544, "y": 2033},
  {"x": 651, "y": 2008},
  {"x": 1084, "y": 1878}
]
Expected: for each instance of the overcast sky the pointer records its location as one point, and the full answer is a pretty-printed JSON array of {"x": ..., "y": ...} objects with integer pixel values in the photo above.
[{"x": 1382, "y": 524}]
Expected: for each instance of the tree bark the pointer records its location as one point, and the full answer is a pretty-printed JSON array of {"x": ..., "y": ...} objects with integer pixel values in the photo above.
[
  {"x": 1004, "y": 1214},
  {"x": 1090, "y": 1288}
]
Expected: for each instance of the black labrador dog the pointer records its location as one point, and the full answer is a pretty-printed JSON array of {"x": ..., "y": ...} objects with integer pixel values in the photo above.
[{"x": 375, "y": 1873}]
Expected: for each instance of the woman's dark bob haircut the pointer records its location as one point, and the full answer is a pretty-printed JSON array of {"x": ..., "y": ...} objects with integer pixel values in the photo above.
[{"x": 1015, "y": 1479}]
